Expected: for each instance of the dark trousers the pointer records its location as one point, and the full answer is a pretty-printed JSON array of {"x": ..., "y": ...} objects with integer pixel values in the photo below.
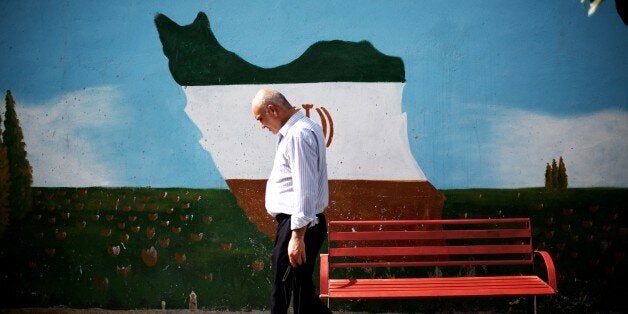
[{"x": 288, "y": 281}]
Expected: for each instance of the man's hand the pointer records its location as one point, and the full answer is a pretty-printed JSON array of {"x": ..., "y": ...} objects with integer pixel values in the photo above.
[{"x": 296, "y": 247}]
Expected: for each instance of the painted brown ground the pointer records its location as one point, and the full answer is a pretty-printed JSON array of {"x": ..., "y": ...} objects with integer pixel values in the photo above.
[{"x": 351, "y": 200}]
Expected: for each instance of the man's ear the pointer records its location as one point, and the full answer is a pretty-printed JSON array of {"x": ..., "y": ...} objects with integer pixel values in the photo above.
[{"x": 272, "y": 109}]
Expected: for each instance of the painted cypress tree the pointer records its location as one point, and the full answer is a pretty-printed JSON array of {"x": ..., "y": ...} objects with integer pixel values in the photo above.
[
  {"x": 562, "y": 175},
  {"x": 548, "y": 178},
  {"x": 554, "y": 175},
  {"x": 20, "y": 171},
  {"x": 4, "y": 184}
]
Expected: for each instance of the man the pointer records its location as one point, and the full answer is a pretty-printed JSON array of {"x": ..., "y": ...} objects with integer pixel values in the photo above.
[{"x": 296, "y": 195}]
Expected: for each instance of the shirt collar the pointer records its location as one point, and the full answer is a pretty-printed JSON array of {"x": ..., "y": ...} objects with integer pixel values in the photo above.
[{"x": 293, "y": 119}]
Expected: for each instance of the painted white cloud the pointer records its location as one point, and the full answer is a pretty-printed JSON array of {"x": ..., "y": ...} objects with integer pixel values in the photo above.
[
  {"x": 595, "y": 147},
  {"x": 57, "y": 134}
]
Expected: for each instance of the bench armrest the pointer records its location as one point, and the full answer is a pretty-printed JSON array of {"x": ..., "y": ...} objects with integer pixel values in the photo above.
[
  {"x": 324, "y": 275},
  {"x": 549, "y": 266}
]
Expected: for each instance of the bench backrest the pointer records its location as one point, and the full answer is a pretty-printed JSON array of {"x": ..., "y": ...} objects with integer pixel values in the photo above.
[{"x": 400, "y": 243}]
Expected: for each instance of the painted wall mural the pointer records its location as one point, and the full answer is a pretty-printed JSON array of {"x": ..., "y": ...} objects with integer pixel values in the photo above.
[
  {"x": 355, "y": 89},
  {"x": 486, "y": 104},
  {"x": 149, "y": 170}
]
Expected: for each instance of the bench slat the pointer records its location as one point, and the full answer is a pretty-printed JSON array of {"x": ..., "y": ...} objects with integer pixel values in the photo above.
[
  {"x": 428, "y": 235},
  {"x": 439, "y": 287},
  {"x": 439, "y": 222},
  {"x": 431, "y": 250},
  {"x": 433, "y": 263}
]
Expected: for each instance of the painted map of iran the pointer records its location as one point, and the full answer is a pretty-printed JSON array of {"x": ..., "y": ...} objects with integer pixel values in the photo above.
[{"x": 350, "y": 88}]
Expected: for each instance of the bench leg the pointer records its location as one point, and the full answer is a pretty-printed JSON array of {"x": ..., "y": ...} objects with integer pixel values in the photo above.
[{"x": 531, "y": 305}]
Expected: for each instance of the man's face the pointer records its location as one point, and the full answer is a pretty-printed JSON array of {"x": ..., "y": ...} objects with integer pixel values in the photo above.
[{"x": 267, "y": 116}]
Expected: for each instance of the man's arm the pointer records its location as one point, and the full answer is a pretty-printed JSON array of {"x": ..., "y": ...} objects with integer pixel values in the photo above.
[{"x": 304, "y": 167}]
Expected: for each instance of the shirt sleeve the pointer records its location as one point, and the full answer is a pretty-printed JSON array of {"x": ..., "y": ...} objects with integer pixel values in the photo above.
[{"x": 304, "y": 165}]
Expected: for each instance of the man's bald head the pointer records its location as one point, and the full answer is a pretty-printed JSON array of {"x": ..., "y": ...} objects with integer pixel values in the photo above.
[
  {"x": 271, "y": 109},
  {"x": 268, "y": 96}
]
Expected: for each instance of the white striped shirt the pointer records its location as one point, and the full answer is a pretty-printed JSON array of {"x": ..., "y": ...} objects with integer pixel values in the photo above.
[{"x": 297, "y": 185}]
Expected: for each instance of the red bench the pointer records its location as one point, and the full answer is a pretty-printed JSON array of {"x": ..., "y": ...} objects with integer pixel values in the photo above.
[{"x": 500, "y": 248}]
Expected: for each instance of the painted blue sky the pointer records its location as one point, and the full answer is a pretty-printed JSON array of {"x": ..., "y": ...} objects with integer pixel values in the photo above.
[{"x": 495, "y": 89}]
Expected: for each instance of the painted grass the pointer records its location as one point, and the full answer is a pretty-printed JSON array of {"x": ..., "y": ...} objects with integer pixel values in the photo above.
[
  {"x": 227, "y": 268},
  {"x": 585, "y": 230}
]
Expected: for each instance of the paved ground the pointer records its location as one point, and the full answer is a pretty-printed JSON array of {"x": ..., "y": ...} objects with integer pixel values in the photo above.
[
  {"x": 156, "y": 311},
  {"x": 104, "y": 311}
]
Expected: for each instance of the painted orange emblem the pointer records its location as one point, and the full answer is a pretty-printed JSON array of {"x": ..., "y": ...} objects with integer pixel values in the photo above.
[{"x": 326, "y": 121}]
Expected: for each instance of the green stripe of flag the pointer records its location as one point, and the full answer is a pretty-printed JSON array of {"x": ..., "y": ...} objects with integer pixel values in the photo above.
[{"x": 196, "y": 58}]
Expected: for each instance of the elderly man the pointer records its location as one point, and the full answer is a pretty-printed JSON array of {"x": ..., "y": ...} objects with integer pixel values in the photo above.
[{"x": 296, "y": 195}]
